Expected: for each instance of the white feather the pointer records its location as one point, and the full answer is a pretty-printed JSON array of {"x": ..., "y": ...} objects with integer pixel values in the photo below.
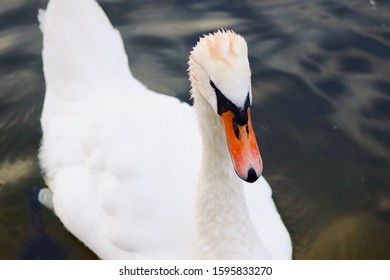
[{"x": 122, "y": 162}]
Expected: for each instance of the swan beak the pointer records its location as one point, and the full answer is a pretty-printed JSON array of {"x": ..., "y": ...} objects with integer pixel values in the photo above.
[{"x": 243, "y": 148}]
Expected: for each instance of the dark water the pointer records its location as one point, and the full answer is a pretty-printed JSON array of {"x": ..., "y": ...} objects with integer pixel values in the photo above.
[{"x": 321, "y": 83}]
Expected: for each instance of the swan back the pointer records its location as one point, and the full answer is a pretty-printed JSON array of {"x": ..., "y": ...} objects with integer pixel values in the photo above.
[{"x": 112, "y": 150}]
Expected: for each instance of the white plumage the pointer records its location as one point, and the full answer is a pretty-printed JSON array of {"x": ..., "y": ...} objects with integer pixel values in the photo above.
[{"x": 124, "y": 164}]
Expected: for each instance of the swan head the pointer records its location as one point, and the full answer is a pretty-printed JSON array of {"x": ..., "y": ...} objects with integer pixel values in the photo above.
[{"x": 219, "y": 71}]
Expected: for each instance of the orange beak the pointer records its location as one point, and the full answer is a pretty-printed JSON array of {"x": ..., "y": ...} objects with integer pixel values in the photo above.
[{"x": 243, "y": 148}]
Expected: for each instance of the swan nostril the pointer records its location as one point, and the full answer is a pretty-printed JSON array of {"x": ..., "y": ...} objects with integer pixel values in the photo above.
[
  {"x": 252, "y": 176},
  {"x": 236, "y": 129}
]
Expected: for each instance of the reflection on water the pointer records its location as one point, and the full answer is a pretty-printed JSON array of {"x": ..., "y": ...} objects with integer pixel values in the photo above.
[
  {"x": 13, "y": 171},
  {"x": 321, "y": 106}
]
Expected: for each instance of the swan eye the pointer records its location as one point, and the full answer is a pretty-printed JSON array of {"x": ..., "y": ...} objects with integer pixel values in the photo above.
[{"x": 223, "y": 104}]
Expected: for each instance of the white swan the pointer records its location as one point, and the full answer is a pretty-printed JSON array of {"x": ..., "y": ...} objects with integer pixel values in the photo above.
[{"x": 128, "y": 171}]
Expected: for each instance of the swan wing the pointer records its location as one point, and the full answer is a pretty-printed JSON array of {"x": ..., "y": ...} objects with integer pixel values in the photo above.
[{"x": 111, "y": 148}]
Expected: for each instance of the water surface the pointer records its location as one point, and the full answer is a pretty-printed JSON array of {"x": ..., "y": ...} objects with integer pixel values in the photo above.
[{"x": 321, "y": 85}]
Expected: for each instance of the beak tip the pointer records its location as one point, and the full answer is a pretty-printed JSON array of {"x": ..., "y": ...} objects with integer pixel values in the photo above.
[{"x": 252, "y": 176}]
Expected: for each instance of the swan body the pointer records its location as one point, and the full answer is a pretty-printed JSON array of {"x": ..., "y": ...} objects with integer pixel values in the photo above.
[{"x": 139, "y": 175}]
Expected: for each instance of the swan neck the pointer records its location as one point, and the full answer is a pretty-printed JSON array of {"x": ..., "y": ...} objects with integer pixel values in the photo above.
[{"x": 224, "y": 227}]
